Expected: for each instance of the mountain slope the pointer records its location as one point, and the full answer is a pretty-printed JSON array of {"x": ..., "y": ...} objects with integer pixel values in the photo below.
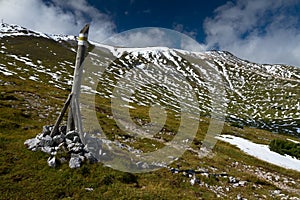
[
  {"x": 264, "y": 96},
  {"x": 36, "y": 73}
]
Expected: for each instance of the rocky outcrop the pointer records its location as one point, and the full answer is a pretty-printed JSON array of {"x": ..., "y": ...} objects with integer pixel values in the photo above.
[{"x": 64, "y": 146}]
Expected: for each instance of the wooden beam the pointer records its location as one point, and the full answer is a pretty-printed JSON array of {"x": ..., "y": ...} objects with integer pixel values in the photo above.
[
  {"x": 60, "y": 117},
  {"x": 82, "y": 45}
]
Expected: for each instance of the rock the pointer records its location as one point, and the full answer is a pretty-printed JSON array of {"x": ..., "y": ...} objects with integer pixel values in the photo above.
[
  {"x": 63, "y": 129},
  {"x": 275, "y": 192},
  {"x": 62, "y": 144},
  {"x": 68, "y": 141},
  {"x": 32, "y": 143},
  {"x": 71, "y": 134},
  {"x": 47, "y": 130},
  {"x": 47, "y": 149},
  {"x": 76, "y": 149},
  {"x": 232, "y": 179},
  {"x": 89, "y": 156},
  {"x": 70, "y": 146},
  {"x": 46, "y": 141},
  {"x": 76, "y": 139},
  {"x": 143, "y": 165},
  {"x": 52, "y": 162},
  {"x": 175, "y": 170},
  {"x": 238, "y": 197},
  {"x": 89, "y": 189},
  {"x": 194, "y": 180},
  {"x": 189, "y": 173},
  {"x": 236, "y": 185},
  {"x": 75, "y": 162},
  {"x": 62, "y": 160},
  {"x": 242, "y": 183},
  {"x": 57, "y": 139}
]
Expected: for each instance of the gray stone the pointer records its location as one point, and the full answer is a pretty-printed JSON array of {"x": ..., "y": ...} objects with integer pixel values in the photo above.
[
  {"x": 57, "y": 139},
  {"x": 175, "y": 170},
  {"x": 46, "y": 141},
  {"x": 68, "y": 141},
  {"x": 40, "y": 136},
  {"x": 242, "y": 183},
  {"x": 89, "y": 189},
  {"x": 89, "y": 156},
  {"x": 70, "y": 146},
  {"x": 63, "y": 129},
  {"x": 77, "y": 149},
  {"x": 71, "y": 134},
  {"x": 239, "y": 197},
  {"x": 32, "y": 143},
  {"x": 75, "y": 162},
  {"x": 62, "y": 160},
  {"x": 47, "y": 130},
  {"x": 63, "y": 143},
  {"x": 47, "y": 149},
  {"x": 52, "y": 162},
  {"x": 232, "y": 179},
  {"x": 76, "y": 139}
]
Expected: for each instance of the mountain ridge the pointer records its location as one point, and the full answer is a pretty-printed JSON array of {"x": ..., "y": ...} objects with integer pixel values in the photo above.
[{"x": 246, "y": 83}]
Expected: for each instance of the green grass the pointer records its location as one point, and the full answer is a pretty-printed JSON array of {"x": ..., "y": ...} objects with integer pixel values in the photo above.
[
  {"x": 26, "y": 175},
  {"x": 285, "y": 147},
  {"x": 26, "y": 106}
]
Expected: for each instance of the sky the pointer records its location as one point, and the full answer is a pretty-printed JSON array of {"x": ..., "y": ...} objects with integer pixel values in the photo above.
[{"x": 265, "y": 31}]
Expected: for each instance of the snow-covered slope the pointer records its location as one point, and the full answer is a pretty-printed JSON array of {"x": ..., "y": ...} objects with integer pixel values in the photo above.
[
  {"x": 262, "y": 152},
  {"x": 12, "y": 30},
  {"x": 265, "y": 96}
]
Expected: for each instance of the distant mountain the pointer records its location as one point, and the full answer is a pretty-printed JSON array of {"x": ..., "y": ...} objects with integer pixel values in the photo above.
[{"x": 259, "y": 95}]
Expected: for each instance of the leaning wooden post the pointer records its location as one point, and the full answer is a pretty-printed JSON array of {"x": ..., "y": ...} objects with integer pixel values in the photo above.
[
  {"x": 74, "y": 111},
  {"x": 60, "y": 117}
]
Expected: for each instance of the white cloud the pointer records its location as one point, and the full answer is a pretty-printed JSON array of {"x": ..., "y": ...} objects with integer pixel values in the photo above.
[
  {"x": 59, "y": 17},
  {"x": 140, "y": 37},
  {"x": 260, "y": 31},
  {"x": 153, "y": 36}
]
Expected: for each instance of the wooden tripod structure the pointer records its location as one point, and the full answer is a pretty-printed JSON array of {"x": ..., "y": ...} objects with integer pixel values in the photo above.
[{"x": 74, "y": 116}]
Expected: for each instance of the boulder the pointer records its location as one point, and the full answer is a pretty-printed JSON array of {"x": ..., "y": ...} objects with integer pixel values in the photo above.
[
  {"x": 75, "y": 162},
  {"x": 31, "y": 144},
  {"x": 52, "y": 161},
  {"x": 71, "y": 134},
  {"x": 89, "y": 156},
  {"x": 46, "y": 141},
  {"x": 232, "y": 179},
  {"x": 76, "y": 139},
  {"x": 63, "y": 129},
  {"x": 57, "y": 139},
  {"x": 63, "y": 160},
  {"x": 47, "y": 149},
  {"x": 46, "y": 130}
]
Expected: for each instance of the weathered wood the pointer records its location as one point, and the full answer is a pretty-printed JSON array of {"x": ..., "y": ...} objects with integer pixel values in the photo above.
[
  {"x": 82, "y": 45},
  {"x": 77, "y": 120},
  {"x": 60, "y": 117}
]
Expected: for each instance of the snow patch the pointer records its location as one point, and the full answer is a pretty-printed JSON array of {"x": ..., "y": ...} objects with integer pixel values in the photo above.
[{"x": 262, "y": 152}]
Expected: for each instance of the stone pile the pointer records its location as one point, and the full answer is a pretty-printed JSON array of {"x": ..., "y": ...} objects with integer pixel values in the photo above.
[{"x": 64, "y": 146}]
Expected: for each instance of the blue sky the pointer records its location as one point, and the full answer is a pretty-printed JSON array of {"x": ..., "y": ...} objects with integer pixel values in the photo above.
[
  {"x": 184, "y": 16},
  {"x": 263, "y": 31}
]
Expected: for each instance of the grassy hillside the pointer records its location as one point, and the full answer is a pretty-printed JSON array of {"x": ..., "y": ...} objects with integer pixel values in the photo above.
[{"x": 27, "y": 105}]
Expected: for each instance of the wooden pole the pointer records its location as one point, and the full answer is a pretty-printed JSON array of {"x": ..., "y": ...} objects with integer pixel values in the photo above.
[
  {"x": 60, "y": 117},
  {"x": 74, "y": 112}
]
